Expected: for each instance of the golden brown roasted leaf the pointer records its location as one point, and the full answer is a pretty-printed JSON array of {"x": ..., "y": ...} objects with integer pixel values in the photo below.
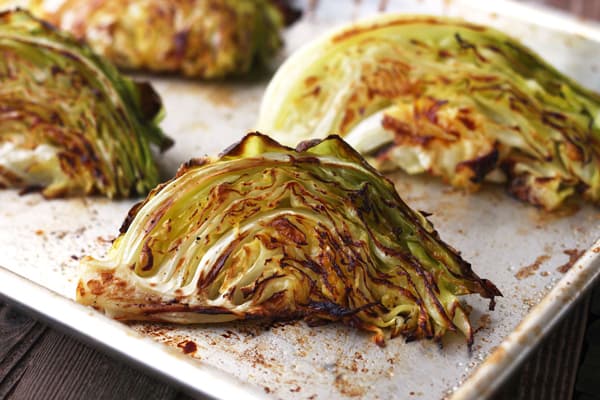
[
  {"x": 266, "y": 231},
  {"x": 198, "y": 38},
  {"x": 446, "y": 97}
]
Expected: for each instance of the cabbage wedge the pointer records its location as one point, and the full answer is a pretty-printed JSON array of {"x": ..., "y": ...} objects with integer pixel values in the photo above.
[
  {"x": 197, "y": 38},
  {"x": 269, "y": 232},
  {"x": 456, "y": 100},
  {"x": 69, "y": 123}
]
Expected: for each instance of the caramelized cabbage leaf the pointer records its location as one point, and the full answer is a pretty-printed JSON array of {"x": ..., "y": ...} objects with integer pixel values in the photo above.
[
  {"x": 198, "y": 38},
  {"x": 69, "y": 123},
  {"x": 266, "y": 231},
  {"x": 447, "y": 97}
]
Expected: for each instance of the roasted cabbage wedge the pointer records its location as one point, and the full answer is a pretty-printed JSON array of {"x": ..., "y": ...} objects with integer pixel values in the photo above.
[
  {"x": 443, "y": 96},
  {"x": 266, "y": 231},
  {"x": 69, "y": 123},
  {"x": 198, "y": 38}
]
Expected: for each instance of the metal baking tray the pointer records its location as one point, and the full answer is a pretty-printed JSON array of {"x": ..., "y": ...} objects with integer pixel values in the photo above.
[{"x": 521, "y": 249}]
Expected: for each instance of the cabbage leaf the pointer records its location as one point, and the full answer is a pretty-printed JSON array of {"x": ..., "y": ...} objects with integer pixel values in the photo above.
[
  {"x": 197, "y": 38},
  {"x": 443, "y": 96},
  {"x": 270, "y": 232},
  {"x": 70, "y": 124}
]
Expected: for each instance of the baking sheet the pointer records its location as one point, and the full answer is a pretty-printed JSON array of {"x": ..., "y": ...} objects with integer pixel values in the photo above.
[{"x": 514, "y": 245}]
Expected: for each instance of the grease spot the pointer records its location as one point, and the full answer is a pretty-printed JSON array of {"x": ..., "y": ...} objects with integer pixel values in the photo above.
[
  {"x": 530, "y": 269},
  {"x": 574, "y": 255},
  {"x": 188, "y": 346}
]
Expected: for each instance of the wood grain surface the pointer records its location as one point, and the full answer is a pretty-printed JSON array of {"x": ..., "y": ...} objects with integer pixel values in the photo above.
[
  {"x": 550, "y": 372},
  {"x": 37, "y": 362}
]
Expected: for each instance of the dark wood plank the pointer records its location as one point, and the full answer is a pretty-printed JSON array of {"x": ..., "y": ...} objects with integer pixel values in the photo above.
[
  {"x": 41, "y": 363},
  {"x": 550, "y": 372},
  {"x": 587, "y": 386},
  {"x": 62, "y": 368},
  {"x": 17, "y": 336}
]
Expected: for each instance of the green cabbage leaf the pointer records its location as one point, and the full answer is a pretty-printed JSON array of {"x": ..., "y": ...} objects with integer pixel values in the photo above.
[
  {"x": 456, "y": 100},
  {"x": 270, "y": 232},
  {"x": 70, "y": 124},
  {"x": 197, "y": 38}
]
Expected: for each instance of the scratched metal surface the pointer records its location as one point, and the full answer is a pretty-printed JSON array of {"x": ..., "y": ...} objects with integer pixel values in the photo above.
[{"x": 519, "y": 248}]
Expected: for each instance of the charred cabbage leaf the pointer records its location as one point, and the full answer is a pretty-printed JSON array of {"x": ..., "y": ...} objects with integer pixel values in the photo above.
[
  {"x": 199, "y": 38},
  {"x": 443, "y": 96},
  {"x": 267, "y": 231},
  {"x": 69, "y": 123}
]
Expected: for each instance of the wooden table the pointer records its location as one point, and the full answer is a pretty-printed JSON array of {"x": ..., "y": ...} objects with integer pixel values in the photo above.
[{"x": 38, "y": 362}]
